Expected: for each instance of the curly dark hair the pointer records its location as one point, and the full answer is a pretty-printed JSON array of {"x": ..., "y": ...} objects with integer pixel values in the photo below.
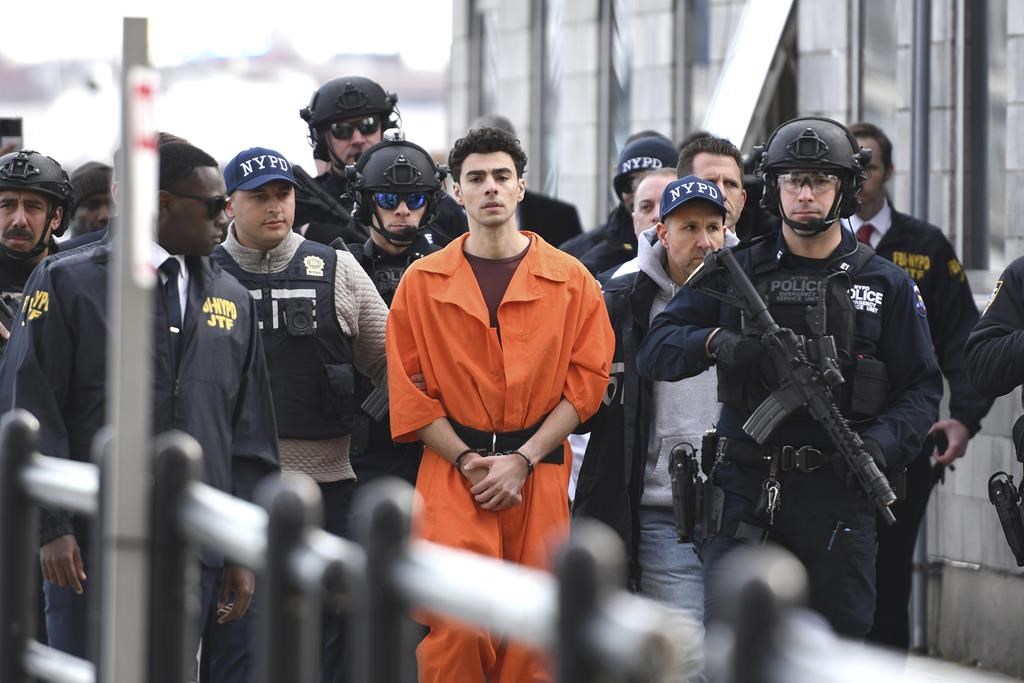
[{"x": 485, "y": 141}]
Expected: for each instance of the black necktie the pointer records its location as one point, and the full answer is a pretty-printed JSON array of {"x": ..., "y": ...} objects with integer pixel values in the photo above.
[{"x": 172, "y": 303}]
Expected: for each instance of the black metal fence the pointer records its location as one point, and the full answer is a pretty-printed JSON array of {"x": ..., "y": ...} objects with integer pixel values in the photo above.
[{"x": 580, "y": 614}]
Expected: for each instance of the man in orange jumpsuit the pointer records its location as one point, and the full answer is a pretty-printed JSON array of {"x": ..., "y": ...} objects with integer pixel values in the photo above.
[{"x": 513, "y": 342}]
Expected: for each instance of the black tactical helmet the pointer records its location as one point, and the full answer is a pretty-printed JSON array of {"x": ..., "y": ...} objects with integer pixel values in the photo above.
[
  {"x": 35, "y": 172},
  {"x": 813, "y": 143},
  {"x": 345, "y": 98},
  {"x": 395, "y": 165}
]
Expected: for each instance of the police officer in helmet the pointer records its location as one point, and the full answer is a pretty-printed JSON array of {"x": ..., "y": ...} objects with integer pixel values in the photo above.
[
  {"x": 35, "y": 206},
  {"x": 866, "y": 315},
  {"x": 397, "y": 189},
  {"x": 345, "y": 116}
]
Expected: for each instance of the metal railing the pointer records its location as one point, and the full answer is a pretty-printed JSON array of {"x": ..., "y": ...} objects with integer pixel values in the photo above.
[
  {"x": 581, "y": 614},
  {"x": 28, "y": 480},
  {"x": 594, "y": 629}
]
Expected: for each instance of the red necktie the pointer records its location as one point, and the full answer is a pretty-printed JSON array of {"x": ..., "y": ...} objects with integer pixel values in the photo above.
[{"x": 864, "y": 233}]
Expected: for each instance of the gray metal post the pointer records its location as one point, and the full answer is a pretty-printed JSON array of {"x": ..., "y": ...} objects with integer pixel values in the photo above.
[
  {"x": 753, "y": 589},
  {"x": 174, "y": 578},
  {"x": 18, "y": 527},
  {"x": 381, "y": 520},
  {"x": 126, "y": 524},
  {"x": 920, "y": 108},
  {"x": 288, "y": 622},
  {"x": 975, "y": 252},
  {"x": 919, "y": 172},
  {"x": 590, "y": 563}
]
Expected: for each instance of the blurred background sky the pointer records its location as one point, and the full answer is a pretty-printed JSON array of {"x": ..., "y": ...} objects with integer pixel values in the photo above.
[{"x": 232, "y": 75}]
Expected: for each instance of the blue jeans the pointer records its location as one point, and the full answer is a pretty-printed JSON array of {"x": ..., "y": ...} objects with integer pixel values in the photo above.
[
  {"x": 67, "y": 617},
  {"x": 671, "y": 573},
  {"x": 228, "y": 649}
]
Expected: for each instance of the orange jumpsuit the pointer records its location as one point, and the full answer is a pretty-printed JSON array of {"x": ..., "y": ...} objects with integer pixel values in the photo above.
[{"x": 555, "y": 342}]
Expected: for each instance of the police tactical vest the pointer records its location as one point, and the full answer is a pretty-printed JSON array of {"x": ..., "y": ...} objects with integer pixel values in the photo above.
[
  {"x": 386, "y": 270},
  {"x": 308, "y": 357},
  {"x": 816, "y": 305}
]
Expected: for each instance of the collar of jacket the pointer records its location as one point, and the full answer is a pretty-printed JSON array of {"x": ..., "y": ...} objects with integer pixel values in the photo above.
[
  {"x": 846, "y": 253},
  {"x": 653, "y": 260},
  {"x": 252, "y": 259},
  {"x": 450, "y": 263}
]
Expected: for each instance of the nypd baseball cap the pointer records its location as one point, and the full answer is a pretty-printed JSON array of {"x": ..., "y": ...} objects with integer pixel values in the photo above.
[
  {"x": 255, "y": 167},
  {"x": 688, "y": 189}
]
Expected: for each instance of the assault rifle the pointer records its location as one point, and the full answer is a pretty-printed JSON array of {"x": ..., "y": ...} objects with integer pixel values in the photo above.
[{"x": 801, "y": 385}]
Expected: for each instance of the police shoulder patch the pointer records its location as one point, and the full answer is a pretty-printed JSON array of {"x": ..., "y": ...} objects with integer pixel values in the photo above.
[
  {"x": 314, "y": 266},
  {"x": 992, "y": 297},
  {"x": 919, "y": 306},
  {"x": 36, "y": 305}
]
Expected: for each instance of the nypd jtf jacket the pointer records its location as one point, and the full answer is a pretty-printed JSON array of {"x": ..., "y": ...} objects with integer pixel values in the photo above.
[{"x": 219, "y": 392}]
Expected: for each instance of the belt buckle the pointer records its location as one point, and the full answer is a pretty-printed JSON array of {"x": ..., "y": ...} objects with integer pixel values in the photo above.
[
  {"x": 494, "y": 443},
  {"x": 802, "y": 454},
  {"x": 787, "y": 458}
]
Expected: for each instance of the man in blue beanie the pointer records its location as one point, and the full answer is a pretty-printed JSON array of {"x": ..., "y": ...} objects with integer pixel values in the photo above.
[{"x": 615, "y": 242}]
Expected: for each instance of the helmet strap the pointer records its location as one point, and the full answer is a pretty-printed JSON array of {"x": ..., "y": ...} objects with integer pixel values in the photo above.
[
  {"x": 817, "y": 225},
  {"x": 405, "y": 239},
  {"x": 41, "y": 244}
]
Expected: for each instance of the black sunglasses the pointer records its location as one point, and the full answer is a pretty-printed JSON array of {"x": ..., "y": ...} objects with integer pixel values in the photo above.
[
  {"x": 343, "y": 130},
  {"x": 214, "y": 205}
]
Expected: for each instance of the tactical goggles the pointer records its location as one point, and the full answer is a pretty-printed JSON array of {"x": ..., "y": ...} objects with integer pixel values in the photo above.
[
  {"x": 818, "y": 182},
  {"x": 343, "y": 130},
  {"x": 214, "y": 205},
  {"x": 391, "y": 200}
]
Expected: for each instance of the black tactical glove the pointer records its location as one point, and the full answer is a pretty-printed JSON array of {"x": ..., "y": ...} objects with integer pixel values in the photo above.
[
  {"x": 875, "y": 451},
  {"x": 872, "y": 448},
  {"x": 734, "y": 350}
]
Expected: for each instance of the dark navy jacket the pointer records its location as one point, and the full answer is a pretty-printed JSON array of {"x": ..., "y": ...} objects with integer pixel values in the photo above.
[
  {"x": 923, "y": 251},
  {"x": 611, "y": 479},
  {"x": 219, "y": 393},
  {"x": 890, "y": 325},
  {"x": 995, "y": 348}
]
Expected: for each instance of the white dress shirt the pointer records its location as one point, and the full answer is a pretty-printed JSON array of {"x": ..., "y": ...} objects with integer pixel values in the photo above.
[
  {"x": 881, "y": 221},
  {"x": 159, "y": 256}
]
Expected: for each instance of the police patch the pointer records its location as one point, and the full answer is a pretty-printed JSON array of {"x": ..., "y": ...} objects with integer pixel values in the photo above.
[
  {"x": 992, "y": 296},
  {"x": 36, "y": 305},
  {"x": 956, "y": 271},
  {"x": 919, "y": 306},
  {"x": 314, "y": 266},
  {"x": 865, "y": 299},
  {"x": 222, "y": 312}
]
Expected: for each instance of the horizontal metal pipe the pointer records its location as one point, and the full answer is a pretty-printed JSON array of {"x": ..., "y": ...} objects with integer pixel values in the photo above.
[
  {"x": 62, "y": 483},
  {"x": 326, "y": 564},
  {"x": 47, "y": 664},
  {"x": 225, "y": 524},
  {"x": 637, "y": 635},
  {"x": 505, "y": 599}
]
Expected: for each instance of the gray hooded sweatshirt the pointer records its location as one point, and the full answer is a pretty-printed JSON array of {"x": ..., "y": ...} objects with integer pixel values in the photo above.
[{"x": 683, "y": 410}]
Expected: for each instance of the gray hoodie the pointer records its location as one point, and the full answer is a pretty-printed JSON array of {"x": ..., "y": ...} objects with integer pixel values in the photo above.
[{"x": 683, "y": 410}]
